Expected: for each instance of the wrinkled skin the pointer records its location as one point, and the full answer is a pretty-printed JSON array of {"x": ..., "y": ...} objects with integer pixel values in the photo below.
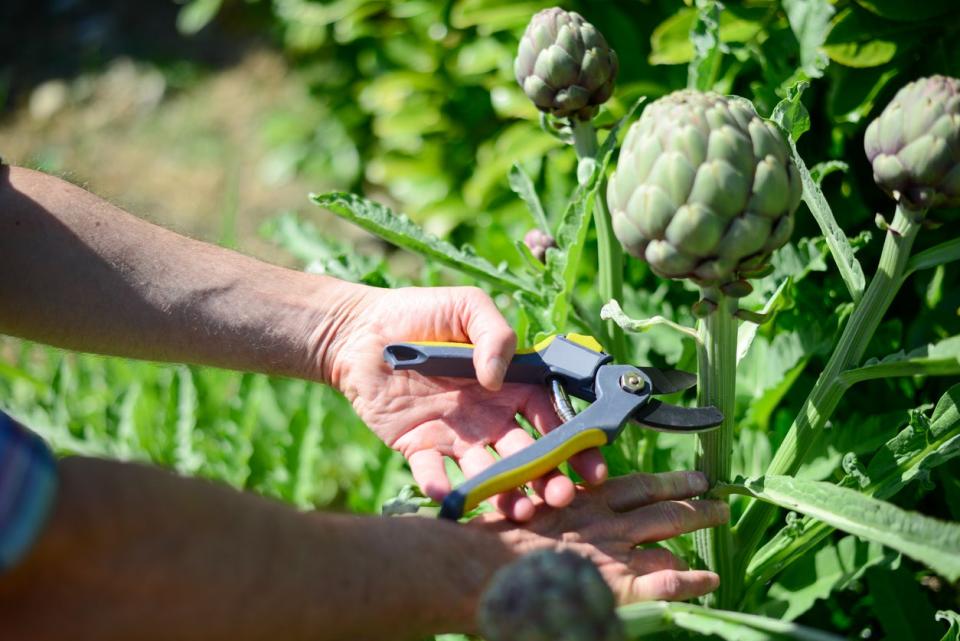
[
  {"x": 914, "y": 144},
  {"x": 565, "y": 65},
  {"x": 605, "y": 524},
  {"x": 704, "y": 188}
]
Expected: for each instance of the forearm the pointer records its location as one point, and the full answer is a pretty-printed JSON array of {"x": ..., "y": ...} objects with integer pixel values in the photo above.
[
  {"x": 136, "y": 553},
  {"x": 80, "y": 273}
]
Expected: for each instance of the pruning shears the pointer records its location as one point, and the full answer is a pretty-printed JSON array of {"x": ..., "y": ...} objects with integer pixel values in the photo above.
[{"x": 569, "y": 365}]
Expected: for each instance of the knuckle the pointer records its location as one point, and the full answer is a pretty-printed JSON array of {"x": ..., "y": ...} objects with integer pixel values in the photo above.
[
  {"x": 673, "y": 516},
  {"x": 671, "y": 585}
]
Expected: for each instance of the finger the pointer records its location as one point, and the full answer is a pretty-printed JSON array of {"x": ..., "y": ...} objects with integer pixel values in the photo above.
[
  {"x": 430, "y": 474},
  {"x": 635, "y": 490},
  {"x": 493, "y": 339},
  {"x": 556, "y": 489},
  {"x": 589, "y": 464},
  {"x": 654, "y": 560},
  {"x": 671, "y": 585},
  {"x": 668, "y": 519},
  {"x": 513, "y": 504}
]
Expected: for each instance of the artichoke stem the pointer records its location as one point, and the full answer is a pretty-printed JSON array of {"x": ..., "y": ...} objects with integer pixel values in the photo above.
[
  {"x": 610, "y": 254},
  {"x": 716, "y": 385},
  {"x": 807, "y": 428}
]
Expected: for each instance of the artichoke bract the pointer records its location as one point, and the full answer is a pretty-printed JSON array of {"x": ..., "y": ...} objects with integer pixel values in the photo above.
[
  {"x": 564, "y": 64},
  {"x": 704, "y": 188},
  {"x": 914, "y": 144},
  {"x": 549, "y": 596}
]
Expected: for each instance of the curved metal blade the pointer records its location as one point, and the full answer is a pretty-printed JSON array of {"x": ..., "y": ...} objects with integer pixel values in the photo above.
[
  {"x": 671, "y": 418},
  {"x": 670, "y": 380}
]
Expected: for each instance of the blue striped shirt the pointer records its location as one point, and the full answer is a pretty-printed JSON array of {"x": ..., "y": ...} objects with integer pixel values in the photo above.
[{"x": 28, "y": 481}]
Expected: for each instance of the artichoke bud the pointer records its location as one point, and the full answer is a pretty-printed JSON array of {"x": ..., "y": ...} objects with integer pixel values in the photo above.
[
  {"x": 704, "y": 188},
  {"x": 538, "y": 242},
  {"x": 914, "y": 144},
  {"x": 565, "y": 65},
  {"x": 549, "y": 596}
]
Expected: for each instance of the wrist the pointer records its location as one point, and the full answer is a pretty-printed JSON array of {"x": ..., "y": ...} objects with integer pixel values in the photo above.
[{"x": 336, "y": 316}]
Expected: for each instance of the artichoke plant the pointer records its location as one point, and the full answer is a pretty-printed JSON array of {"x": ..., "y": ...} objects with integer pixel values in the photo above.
[
  {"x": 914, "y": 144},
  {"x": 704, "y": 188},
  {"x": 564, "y": 64},
  {"x": 549, "y": 596}
]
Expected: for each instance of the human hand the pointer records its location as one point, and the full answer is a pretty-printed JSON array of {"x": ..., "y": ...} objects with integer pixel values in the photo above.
[
  {"x": 606, "y": 524},
  {"x": 427, "y": 418}
]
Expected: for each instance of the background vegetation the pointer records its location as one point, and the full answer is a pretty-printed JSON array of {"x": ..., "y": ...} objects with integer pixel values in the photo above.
[{"x": 414, "y": 104}]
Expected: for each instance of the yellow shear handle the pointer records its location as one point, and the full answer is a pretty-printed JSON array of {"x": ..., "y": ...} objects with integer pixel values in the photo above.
[{"x": 529, "y": 463}]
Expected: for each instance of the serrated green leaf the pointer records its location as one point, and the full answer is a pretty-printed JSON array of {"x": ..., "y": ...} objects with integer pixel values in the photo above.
[
  {"x": 402, "y": 232},
  {"x": 931, "y": 541},
  {"x": 748, "y": 331},
  {"x": 642, "y": 619},
  {"x": 911, "y": 454},
  {"x": 707, "y": 51},
  {"x": 837, "y": 241},
  {"x": 939, "y": 359},
  {"x": 522, "y": 186},
  {"x": 810, "y": 22},
  {"x": 670, "y": 42}
]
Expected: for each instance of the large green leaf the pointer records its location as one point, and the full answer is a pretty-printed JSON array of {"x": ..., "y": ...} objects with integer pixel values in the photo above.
[
  {"x": 816, "y": 576},
  {"x": 939, "y": 359},
  {"x": 911, "y": 454},
  {"x": 859, "y": 38},
  {"x": 810, "y": 23},
  {"x": 642, "y": 619},
  {"x": 401, "y": 231},
  {"x": 928, "y": 540}
]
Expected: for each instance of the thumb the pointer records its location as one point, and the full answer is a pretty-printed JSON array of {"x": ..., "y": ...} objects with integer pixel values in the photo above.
[{"x": 493, "y": 340}]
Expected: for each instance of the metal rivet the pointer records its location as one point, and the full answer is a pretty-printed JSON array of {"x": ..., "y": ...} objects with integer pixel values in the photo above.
[{"x": 632, "y": 383}]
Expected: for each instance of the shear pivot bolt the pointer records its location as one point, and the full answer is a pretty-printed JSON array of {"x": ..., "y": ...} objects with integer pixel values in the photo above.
[{"x": 632, "y": 383}]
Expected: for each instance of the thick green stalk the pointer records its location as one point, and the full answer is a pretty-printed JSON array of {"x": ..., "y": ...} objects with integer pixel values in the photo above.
[
  {"x": 610, "y": 259},
  {"x": 807, "y": 428},
  {"x": 716, "y": 385}
]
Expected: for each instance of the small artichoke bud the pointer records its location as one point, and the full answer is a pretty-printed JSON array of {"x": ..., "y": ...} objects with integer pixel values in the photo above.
[
  {"x": 914, "y": 144},
  {"x": 539, "y": 242},
  {"x": 704, "y": 188},
  {"x": 564, "y": 64},
  {"x": 549, "y": 596}
]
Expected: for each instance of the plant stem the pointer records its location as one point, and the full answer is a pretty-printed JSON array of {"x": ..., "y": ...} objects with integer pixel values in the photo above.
[
  {"x": 823, "y": 399},
  {"x": 716, "y": 385},
  {"x": 610, "y": 254}
]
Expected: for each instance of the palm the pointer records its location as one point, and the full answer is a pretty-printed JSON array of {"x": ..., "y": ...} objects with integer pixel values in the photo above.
[{"x": 429, "y": 418}]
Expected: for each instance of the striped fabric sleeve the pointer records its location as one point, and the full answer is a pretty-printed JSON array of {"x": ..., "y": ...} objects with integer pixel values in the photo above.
[{"x": 28, "y": 482}]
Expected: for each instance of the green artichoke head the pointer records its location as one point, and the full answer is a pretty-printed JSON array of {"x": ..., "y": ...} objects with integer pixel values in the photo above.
[
  {"x": 704, "y": 188},
  {"x": 564, "y": 64},
  {"x": 549, "y": 596},
  {"x": 914, "y": 144}
]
